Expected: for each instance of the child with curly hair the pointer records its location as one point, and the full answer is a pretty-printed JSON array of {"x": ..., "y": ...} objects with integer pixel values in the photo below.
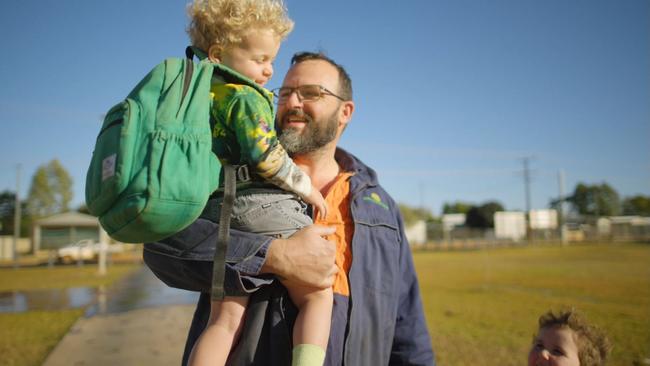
[
  {"x": 242, "y": 38},
  {"x": 566, "y": 339}
]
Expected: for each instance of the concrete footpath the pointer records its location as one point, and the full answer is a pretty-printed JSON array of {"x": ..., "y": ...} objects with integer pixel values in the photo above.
[
  {"x": 152, "y": 336},
  {"x": 139, "y": 322}
]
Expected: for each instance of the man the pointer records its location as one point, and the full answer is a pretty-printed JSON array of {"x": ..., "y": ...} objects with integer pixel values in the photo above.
[{"x": 377, "y": 317}]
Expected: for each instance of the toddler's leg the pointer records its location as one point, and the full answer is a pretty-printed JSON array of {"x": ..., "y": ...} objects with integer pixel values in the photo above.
[
  {"x": 221, "y": 333},
  {"x": 312, "y": 328}
]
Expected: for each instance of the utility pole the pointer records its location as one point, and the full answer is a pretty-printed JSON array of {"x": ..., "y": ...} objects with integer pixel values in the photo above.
[
  {"x": 560, "y": 207},
  {"x": 103, "y": 249},
  {"x": 17, "y": 215},
  {"x": 527, "y": 182},
  {"x": 421, "y": 194},
  {"x": 527, "y": 192},
  {"x": 422, "y": 207}
]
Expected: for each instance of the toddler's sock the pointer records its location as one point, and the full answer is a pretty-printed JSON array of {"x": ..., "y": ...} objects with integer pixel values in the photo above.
[{"x": 308, "y": 355}]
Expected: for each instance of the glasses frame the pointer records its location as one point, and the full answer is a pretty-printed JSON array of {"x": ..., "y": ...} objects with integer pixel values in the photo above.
[{"x": 323, "y": 91}]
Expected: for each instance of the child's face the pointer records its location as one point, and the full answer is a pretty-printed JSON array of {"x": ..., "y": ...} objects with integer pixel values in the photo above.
[
  {"x": 554, "y": 346},
  {"x": 254, "y": 57}
]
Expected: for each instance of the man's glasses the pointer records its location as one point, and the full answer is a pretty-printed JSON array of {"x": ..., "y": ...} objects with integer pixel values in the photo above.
[{"x": 305, "y": 93}]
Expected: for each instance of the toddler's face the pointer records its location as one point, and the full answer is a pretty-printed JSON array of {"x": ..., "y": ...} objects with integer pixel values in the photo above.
[
  {"x": 554, "y": 346},
  {"x": 254, "y": 57}
]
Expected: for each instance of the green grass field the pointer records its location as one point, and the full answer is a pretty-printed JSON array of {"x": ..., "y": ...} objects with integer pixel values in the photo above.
[
  {"x": 482, "y": 306},
  {"x": 27, "y": 338}
]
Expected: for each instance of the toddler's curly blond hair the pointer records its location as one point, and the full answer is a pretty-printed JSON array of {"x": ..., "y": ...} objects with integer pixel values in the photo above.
[
  {"x": 593, "y": 345},
  {"x": 224, "y": 23}
]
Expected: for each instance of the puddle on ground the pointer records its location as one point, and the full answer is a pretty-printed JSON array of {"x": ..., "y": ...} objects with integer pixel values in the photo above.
[
  {"x": 58, "y": 299},
  {"x": 140, "y": 290}
]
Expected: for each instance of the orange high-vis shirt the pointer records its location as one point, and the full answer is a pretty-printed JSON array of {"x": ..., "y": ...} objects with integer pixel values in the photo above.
[{"x": 338, "y": 216}]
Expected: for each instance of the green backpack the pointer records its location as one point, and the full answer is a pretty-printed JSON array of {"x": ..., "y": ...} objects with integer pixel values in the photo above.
[{"x": 153, "y": 169}]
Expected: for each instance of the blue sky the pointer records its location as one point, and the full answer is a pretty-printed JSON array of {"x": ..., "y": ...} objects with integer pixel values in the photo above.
[{"x": 450, "y": 95}]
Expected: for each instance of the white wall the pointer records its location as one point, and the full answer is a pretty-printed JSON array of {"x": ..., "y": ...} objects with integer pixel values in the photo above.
[
  {"x": 24, "y": 245},
  {"x": 416, "y": 233},
  {"x": 509, "y": 225},
  {"x": 543, "y": 219}
]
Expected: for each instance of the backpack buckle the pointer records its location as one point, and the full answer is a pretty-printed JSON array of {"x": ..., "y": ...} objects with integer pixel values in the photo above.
[{"x": 242, "y": 173}]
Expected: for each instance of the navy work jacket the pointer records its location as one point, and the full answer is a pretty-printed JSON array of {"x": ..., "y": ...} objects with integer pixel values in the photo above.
[{"x": 385, "y": 319}]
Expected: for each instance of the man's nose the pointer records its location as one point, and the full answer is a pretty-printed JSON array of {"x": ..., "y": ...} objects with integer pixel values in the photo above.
[{"x": 294, "y": 101}]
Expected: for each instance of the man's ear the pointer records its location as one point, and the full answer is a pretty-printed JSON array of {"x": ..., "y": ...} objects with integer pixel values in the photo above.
[
  {"x": 345, "y": 113},
  {"x": 214, "y": 54}
]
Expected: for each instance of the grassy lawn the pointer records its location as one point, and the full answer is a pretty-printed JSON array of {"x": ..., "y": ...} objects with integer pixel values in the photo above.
[
  {"x": 482, "y": 306},
  {"x": 27, "y": 338}
]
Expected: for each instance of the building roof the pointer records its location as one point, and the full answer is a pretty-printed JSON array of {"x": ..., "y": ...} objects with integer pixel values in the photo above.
[{"x": 69, "y": 219}]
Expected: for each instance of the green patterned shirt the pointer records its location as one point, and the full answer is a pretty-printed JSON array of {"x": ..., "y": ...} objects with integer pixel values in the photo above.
[{"x": 243, "y": 131}]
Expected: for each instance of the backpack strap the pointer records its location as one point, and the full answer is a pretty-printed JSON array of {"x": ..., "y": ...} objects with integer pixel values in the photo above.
[
  {"x": 219, "y": 265},
  {"x": 191, "y": 51}
]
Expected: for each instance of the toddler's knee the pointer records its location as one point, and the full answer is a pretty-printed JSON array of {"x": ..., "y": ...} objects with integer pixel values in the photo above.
[{"x": 228, "y": 315}]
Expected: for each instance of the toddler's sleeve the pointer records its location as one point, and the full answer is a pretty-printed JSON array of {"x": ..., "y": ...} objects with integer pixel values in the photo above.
[{"x": 251, "y": 118}]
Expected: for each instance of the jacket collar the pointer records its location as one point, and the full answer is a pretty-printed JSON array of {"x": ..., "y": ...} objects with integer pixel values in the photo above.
[{"x": 363, "y": 175}]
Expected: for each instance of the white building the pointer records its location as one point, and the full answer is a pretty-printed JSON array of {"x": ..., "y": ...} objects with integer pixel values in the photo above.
[
  {"x": 509, "y": 225},
  {"x": 66, "y": 228},
  {"x": 624, "y": 227},
  {"x": 449, "y": 221},
  {"x": 416, "y": 233},
  {"x": 543, "y": 219}
]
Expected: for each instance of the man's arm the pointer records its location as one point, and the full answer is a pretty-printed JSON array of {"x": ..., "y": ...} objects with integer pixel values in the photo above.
[
  {"x": 411, "y": 343},
  {"x": 305, "y": 258}
]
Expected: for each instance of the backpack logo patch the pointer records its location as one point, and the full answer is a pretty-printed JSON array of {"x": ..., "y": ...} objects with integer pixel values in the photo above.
[
  {"x": 374, "y": 198},
  {"x": 108, "y": 166}
]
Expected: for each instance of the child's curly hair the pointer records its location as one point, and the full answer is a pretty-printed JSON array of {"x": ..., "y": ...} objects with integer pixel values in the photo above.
[
  {"x": 593, "y": 345},
  {"x": 223, "y": 23}
]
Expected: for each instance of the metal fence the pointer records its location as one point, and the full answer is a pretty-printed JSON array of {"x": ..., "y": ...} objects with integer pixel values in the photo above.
[{"x": 472, "y": 238}]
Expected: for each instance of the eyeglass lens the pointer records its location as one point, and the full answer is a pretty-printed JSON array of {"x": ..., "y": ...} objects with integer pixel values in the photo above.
[{"x": 305, "y": 92}]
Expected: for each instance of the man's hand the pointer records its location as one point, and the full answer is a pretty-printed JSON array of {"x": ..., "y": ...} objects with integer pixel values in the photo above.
[{"x": 306, "y": 258}]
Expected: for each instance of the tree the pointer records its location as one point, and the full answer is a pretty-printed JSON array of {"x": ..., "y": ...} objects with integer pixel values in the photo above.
[
  {"x": 7, "y": 212},
  {"x": 637, "y": 205},
  {"x": 456, "y": 207},
  {"x": 51, "y": 190},
  {"x": 7, "y": 209},
  {"x": 482, "y": 217},
  {"x": 595, "y": 200},
  {"x": 411, "y": 215}
]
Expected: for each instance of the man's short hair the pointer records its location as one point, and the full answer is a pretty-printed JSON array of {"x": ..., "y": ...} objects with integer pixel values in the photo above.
[{"x": 345, "y": 83}]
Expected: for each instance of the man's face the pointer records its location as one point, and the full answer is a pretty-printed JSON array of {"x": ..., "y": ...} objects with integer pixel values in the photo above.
[{"x": 308, "y": 126}]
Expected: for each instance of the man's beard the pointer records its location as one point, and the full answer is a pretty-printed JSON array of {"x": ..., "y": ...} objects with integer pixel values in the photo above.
[{"x": 314, "y": 135}]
